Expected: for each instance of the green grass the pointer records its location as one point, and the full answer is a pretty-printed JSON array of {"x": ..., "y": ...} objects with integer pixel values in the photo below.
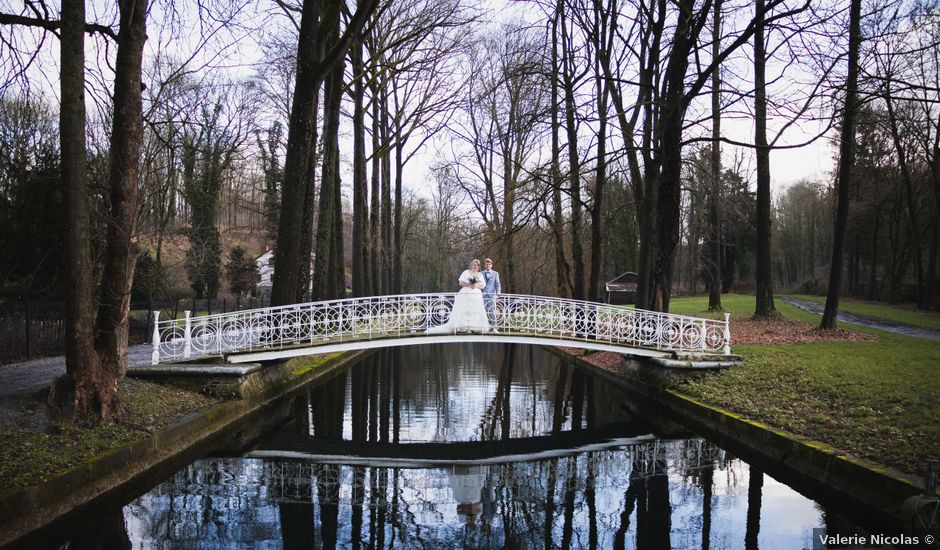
[
  {"x": 894, "y": 314},
  {"x": 738, "y": 305},
  {"x": 875, "y": 399}
]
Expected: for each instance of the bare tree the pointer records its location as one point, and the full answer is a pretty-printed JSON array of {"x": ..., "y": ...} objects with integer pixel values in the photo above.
[
  {"x": 569, "y": 82},
  {"x": 413, "y": 75},
  {"x": 290, "y": 258},
  {"x": 714, "y": 203},
  {"x": 846, "y": 162},
  {"x": 562, "y": 267},
  {"x": 764, "y": 278},
  {"x": 498, "y": 126},
  {"x": 329, "y": 214}
]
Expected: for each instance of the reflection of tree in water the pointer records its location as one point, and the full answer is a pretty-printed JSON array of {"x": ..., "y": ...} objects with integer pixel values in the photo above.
[
  {"x": 503, "y": 392},
  {"x": 642, "y": 492},
  {"x": 698, "y": 468},
  {"x": 231, "y": 500}
]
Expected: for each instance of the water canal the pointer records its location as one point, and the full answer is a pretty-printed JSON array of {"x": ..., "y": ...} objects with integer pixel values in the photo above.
[{"x": 467, "y": 446}]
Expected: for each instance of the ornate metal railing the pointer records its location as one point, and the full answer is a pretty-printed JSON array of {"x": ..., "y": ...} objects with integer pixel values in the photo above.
[{"x": 388, "y": 317}]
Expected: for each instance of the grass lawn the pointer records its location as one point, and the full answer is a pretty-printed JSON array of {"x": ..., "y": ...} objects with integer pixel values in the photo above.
[
  {"x": 875, "y": 399},
  {"x": 39, "y": 454},
  {"x": 893, "y": 314},
  {"x": 738, "y": 305}
]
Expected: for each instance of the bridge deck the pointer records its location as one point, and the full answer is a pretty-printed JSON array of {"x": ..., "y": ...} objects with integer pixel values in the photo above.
[{"x": 299, "y": 350}]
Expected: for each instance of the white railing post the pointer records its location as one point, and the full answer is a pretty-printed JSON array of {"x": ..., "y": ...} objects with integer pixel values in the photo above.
[
  {"x": 595, "y": 321},
  {"x": 155, "y": 357},
  {"x": 660, "y": 330},
  {"x": 704, "y": 335},
  {"x": 218, "y": 333},
  {"x": 312, "y": 325},
  {"x": 727, "y": 334},
  {"x": 188, "y": 335}
]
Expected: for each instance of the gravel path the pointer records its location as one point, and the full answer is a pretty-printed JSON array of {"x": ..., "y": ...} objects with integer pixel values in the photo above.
[
  {"x": 31, "y": 376},
  {"x": 865, "y": 321}
]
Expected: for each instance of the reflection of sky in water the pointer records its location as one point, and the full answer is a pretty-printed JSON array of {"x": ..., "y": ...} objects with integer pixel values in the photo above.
[
  {"x": 241, "y": 502},
  {"x": 273, "y": 503},
  {"x": 450, "y": 393}
]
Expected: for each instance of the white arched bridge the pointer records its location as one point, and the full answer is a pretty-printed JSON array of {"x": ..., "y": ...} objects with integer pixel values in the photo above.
[{"x": 389, "y": 321}]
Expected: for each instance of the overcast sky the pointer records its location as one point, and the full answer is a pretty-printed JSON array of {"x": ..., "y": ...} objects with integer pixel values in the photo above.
[{"x": 235, "y": 51}]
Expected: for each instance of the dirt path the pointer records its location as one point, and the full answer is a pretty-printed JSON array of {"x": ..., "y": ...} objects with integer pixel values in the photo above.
[{"x": 865, "y": 321}]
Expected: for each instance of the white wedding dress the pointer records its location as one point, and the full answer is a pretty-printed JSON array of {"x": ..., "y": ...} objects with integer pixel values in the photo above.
[{"x": 468, "y": 314}]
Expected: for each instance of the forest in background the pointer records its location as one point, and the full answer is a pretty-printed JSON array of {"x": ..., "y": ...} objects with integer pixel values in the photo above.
[
  {"x": 571, "y": 141},
  {"x": 457, "y": 85}
]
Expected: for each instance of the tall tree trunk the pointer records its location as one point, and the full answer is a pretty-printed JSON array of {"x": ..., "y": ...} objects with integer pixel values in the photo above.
[
  {"x": 388, "y": 245},
  {"x": 667, "y": 211},
  {"x": 562, "y": 268},
  {"x": 304, "y": 290},
  {"x": 646, "y": 216},
  {"x": 324, "y": 282},
  {"x": 935, "y": 240},
  {"x": 764, "y": 278},
  {"x": 714, "y": 194},
  {"x": 574, "y": 166},
  {"x": 361, "y": 280},
  {"x": 396, "y": 233},
  {"x": 646, "y": 207},
  {"x": 506, "y": 225},
  {"x": 80, "y": 359},
  {"x": 120, "y": 251},
  {"x": 508, "y": 232},
  {"x": 669, "y": 125},
  {"x": 375, "y": 212},
  {"x": 600, "y": 180},
  {"x": 846, "y": 162},
  {"x": 909, "y": 199},
  {"x": 642, "y": 183},
  {"x": 289, "y": 259},
  {"x": 338, "y": 250}
]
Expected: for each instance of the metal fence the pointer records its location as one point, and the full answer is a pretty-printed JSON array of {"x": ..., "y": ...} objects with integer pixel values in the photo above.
[{"x": 31, "y": 329}]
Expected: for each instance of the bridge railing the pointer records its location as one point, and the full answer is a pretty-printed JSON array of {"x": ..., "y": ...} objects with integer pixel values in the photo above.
[{"x": 380, "y": 317}]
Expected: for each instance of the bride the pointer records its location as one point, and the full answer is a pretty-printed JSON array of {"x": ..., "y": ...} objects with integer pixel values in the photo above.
[{"x": 468, "y": 314}]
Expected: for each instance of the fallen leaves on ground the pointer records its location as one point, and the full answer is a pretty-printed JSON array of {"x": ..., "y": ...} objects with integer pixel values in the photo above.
[
  {"x": 606, "y": 360},
  {"x": 782, "y": 330}
]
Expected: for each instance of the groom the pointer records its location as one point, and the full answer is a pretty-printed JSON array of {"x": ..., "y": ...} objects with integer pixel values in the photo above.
[{"x": 492, "y": 288}]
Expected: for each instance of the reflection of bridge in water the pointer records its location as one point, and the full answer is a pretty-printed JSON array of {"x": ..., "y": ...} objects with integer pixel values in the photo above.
[
  {"x": 300, "y": 480},
  {"x": 538, "y": 454},
  {"x": 391, "y": 321},
  {"x": 523, "y": 504}
]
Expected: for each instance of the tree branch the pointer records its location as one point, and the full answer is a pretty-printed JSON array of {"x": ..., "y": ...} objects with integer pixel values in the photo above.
[{"x": 53, "y": 24}]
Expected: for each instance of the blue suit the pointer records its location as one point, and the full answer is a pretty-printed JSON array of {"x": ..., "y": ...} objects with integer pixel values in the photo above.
[{"x": 492, "y": 288}]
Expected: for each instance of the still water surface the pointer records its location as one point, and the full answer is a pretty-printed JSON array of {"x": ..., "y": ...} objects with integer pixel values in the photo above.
[{"x": 471, "y": 446}]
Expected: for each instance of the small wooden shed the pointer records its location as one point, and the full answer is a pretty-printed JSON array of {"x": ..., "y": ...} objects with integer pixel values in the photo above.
[{"x": 622, "y": 290}]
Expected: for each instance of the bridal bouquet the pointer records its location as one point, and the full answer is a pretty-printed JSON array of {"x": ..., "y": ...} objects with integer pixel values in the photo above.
[{"x": 474, "y": 280}]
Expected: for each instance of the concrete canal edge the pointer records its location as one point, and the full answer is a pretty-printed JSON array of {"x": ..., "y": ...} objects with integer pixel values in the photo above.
[
  {"x": 824, "y": 470},
  {"x": 230, "y": 422}
]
